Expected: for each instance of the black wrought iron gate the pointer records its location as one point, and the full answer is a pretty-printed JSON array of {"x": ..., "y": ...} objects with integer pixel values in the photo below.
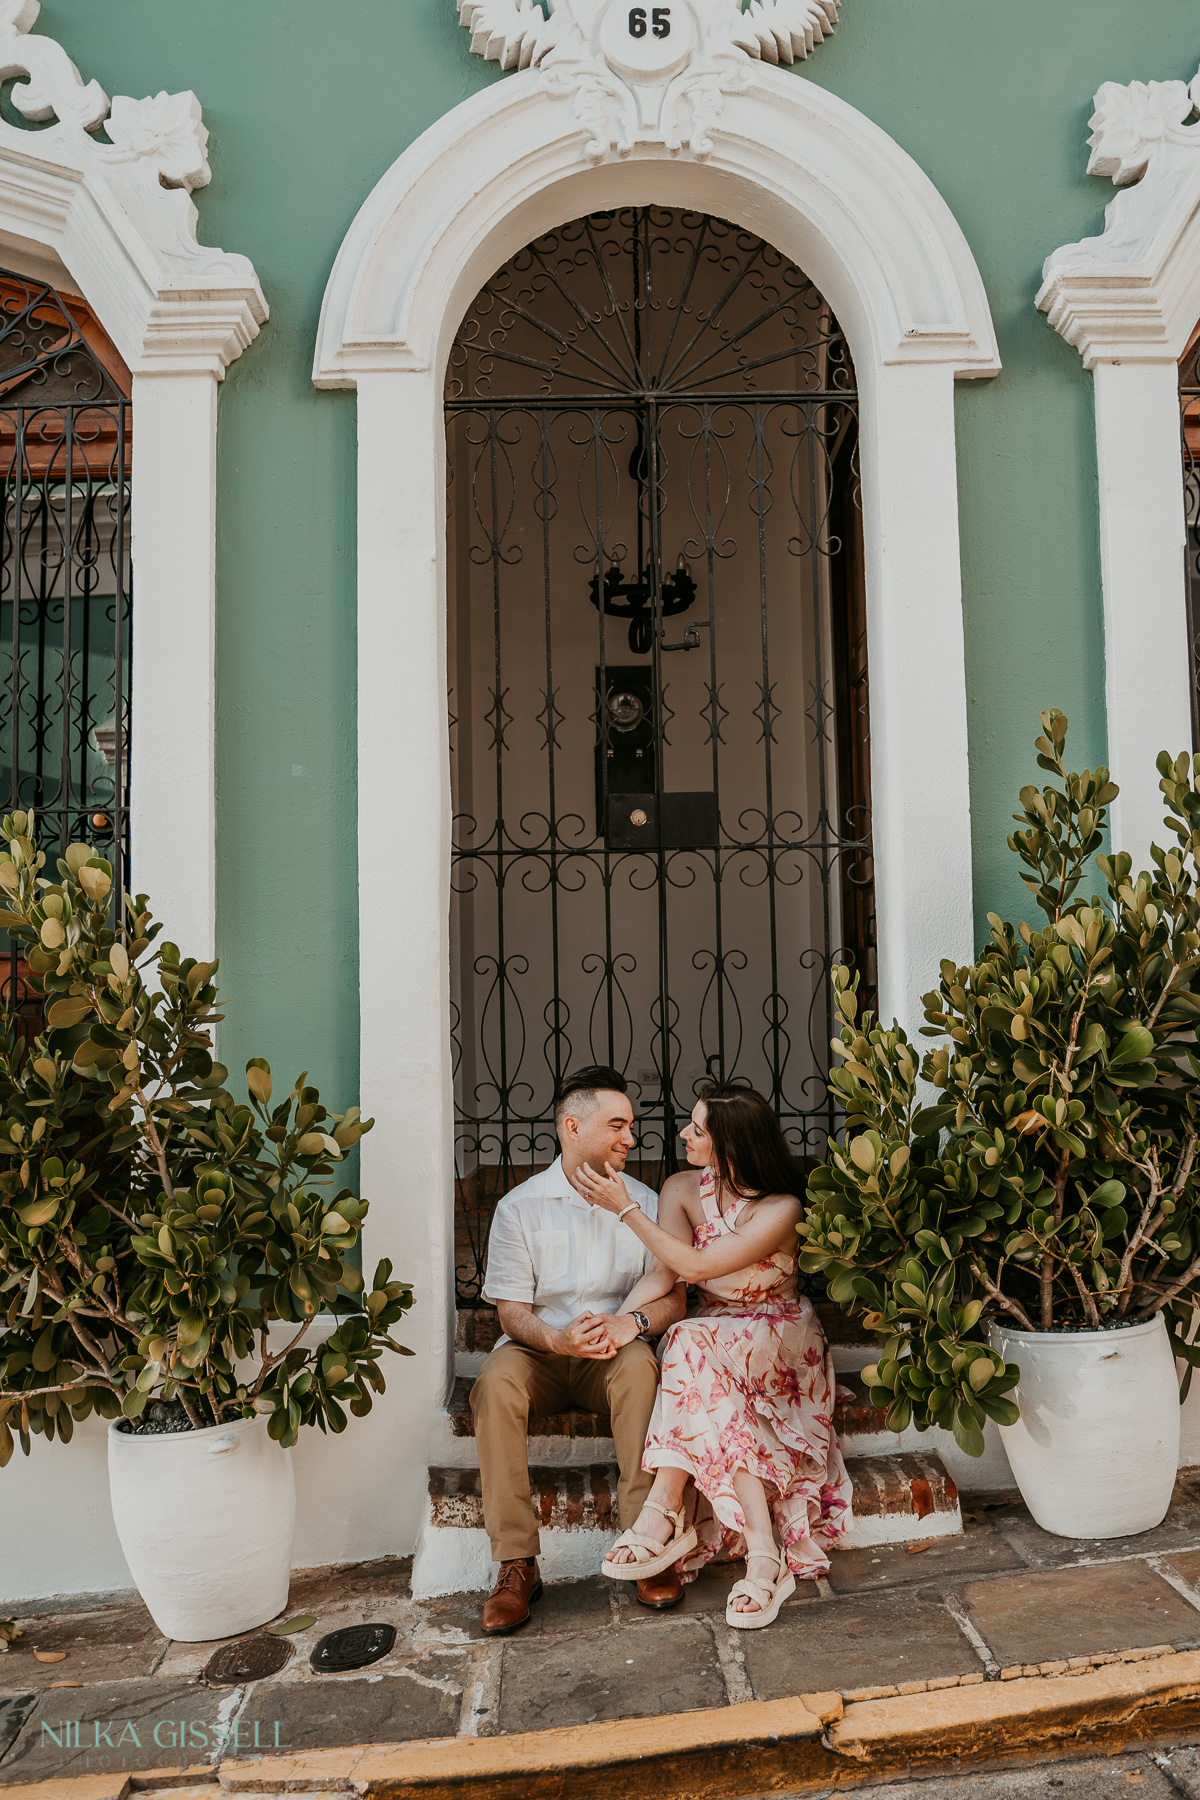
[
  {"x": 660, "y": 738},
  {"x": 1189, "y": 411},
  {"x": 65, "y": 599}
]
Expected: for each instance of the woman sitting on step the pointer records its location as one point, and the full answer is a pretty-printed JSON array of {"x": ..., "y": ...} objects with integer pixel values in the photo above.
[{"x": 745, "y": 1409}]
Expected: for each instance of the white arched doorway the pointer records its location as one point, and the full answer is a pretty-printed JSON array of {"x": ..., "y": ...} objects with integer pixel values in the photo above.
[{"x": 802, "y": 170}]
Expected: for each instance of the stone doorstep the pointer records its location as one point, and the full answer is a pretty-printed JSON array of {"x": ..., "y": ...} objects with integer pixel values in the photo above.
[
  {"x": 904, "y": 1498},
  {"x": 854, "y": 1415},
  {"x": 807, "y": 1743},
  {"x": 909, "y": 1488}
]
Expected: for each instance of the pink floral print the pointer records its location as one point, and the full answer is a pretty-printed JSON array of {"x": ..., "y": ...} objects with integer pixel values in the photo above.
[{"x": 749, "y": 1383}]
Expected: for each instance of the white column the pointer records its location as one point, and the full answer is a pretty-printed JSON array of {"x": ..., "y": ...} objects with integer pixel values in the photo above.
[
  {"x": 172, "y": 737},
  {"x": 921, "y": 804},
  {"x": 404, "y": 889},
  {"x": 1143, "y": 555}
]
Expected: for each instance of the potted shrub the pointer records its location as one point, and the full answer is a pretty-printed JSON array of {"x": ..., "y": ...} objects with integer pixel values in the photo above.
[
  {"x": 153, "y": 1228},
  {"x": 1028, "y": 1245}
]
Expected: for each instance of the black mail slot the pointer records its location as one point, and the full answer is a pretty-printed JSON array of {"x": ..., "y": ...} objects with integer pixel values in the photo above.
[{"x": 687, "y": 821}]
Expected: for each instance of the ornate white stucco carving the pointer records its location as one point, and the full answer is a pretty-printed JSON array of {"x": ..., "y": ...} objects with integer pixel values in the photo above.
[
  {"x": 140, "y": 181},
  {"x": 636, "y": 73},
  {"x": 1133, "y": 290}
]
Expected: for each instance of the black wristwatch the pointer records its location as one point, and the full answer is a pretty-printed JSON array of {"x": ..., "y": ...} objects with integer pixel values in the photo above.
[{"x": 642, "y": 1323}]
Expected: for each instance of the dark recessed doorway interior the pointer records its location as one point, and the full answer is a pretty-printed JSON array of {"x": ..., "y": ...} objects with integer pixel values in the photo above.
[{"x": 659, "y": 702}]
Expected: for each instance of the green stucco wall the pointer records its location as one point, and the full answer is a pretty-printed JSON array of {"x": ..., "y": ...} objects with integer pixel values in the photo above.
[{"x": 308, "y": 103}]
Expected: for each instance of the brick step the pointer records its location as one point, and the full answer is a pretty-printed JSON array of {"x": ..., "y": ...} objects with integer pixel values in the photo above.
[
  {"x": 478, "y": 1327},
  {"x": 907, "y": 1496},
  {"x": 854, "y": 1416}
]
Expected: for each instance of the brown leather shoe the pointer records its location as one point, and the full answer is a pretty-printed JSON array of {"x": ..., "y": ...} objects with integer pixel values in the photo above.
[
  {"x": 507, "y": 1606},
  {"x": 663, "y": 1590}
]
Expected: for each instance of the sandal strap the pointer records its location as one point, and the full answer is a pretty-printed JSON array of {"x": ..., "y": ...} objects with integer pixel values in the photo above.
[
  {"x": 643, "y": 1548},
  {"x": 676, "y": 1518},
  {"x": 761, "y": 1592}
]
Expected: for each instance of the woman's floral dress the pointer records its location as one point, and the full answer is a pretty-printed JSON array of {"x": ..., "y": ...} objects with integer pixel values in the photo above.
[{"x": 749, "y": 1383}]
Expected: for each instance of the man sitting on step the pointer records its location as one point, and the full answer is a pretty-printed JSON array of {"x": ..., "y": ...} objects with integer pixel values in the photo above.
[{"x": 561, "y": 1273}]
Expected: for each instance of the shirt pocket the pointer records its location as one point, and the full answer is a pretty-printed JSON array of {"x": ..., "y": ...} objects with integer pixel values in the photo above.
[
  {"x": 551, "y": 1257},
  {"x": 630, "y": 1258}
]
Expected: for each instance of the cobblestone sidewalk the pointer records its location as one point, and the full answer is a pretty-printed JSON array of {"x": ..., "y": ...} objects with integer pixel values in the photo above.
[{"x": 1003, "y": 1600}]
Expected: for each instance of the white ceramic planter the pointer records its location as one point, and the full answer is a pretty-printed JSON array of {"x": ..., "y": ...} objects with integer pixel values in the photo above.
[
  {"x": 206, "y": 1520},
  {"x": 1096, "y": 1448}
]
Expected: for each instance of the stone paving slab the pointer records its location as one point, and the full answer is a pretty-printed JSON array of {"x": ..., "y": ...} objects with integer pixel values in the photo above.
[
  {"x": 1186, "y": 1565},
  {"x": 1042, "y": 1549},
  {"x": 1042, "y": 1616},
  {"x": 612, "y": 1675},
  {"x": 422, "y": 1701},
  {"x": 109, "y": 1644},
  {"x": 703, "y": 1598},
  {"x": 869, "y": 1641},
  {"x": 982, "y": 1550},
  {"x": 14, "y": 1710},
  {"x": 118, "y": 1725},
  {"x": 565, "y": 1606}
]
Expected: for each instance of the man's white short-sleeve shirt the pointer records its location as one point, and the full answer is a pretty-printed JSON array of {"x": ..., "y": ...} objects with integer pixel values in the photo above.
[{"x": 551, "y": 1250}]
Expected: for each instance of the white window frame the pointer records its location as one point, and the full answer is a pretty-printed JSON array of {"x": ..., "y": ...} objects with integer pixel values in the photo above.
[
  {"x": 1129, "y": 300},
  {"x": 117, "y": 219}
]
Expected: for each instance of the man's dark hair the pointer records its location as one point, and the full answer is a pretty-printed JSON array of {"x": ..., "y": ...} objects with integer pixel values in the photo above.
[{"x": 597, "y": 1078}]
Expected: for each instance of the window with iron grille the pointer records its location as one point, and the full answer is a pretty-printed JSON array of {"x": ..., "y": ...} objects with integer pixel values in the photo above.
[
  {"x": 65, "y": 588},
  {"x": 1189, "y": 410}
]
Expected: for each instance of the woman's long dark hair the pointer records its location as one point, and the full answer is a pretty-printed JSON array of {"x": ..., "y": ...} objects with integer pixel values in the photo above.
[{"x": 751, "y": 1152}]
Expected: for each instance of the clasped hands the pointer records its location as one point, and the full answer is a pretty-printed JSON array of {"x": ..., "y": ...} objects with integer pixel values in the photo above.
[{"x": 598, "y": 1335}]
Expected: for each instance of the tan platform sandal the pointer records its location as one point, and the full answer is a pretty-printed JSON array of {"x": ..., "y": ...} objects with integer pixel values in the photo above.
[
  {"x": 768, "y": 1596},
  {"x": 650, "y": 1558}
]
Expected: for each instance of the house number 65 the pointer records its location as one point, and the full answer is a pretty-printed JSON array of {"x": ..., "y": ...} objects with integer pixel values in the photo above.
[
  {"x": 660, "y": 21},
  {"x": 647, "y": 43}
]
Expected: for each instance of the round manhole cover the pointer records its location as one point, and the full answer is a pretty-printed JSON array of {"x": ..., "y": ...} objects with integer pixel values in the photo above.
[
  {"x": 248, "y": 1660},
  {"x": 352, "y": 1648}
]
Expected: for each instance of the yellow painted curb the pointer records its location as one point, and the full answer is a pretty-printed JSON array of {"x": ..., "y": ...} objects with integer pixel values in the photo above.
[
  {"x": 537, "y": 1758},
  {"x": 117, "y": 1785},
  {"x": 1121, "y": 1703},
  {"x": 761, "y": 1747}
]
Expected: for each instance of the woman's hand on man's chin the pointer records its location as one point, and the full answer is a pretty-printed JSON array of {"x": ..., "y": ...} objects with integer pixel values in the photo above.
[{"x": 607, "y": 1191}]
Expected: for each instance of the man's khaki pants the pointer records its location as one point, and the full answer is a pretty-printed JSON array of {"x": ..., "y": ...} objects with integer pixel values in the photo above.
[{"x": 516, "y": 1384}]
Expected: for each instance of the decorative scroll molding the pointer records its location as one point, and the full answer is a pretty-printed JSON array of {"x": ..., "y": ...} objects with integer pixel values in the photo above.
[
  {"x": 1131, "y": 293},
  {"x": 636, "y": 72},
  {"x": 167, "y": 300}
]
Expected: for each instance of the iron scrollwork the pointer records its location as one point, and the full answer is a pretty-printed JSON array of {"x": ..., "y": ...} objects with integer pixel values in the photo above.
[
  {"x": 65, "y": 584},
  {"x": 661, "y": 391}
]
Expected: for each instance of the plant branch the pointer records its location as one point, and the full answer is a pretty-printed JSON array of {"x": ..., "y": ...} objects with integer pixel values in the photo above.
[
  {"x": 1011, "y": 1306},
  {"x": 1089, "y": 1304},
  {"x": 271, "y": 1362}
]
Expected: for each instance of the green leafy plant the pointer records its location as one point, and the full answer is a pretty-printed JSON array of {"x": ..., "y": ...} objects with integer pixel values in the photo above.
[
  {"x": 152, "y": 1227},
  {"x": 1053, "y": 1182}
]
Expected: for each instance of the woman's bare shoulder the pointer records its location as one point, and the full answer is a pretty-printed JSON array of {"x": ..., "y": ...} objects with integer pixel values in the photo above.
[
  {"x": 781, "y": 1205},
  {"x": 682, "y": 1188}
]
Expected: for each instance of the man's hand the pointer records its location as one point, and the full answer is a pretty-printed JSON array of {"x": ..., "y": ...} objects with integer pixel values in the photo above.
[
  {"x": 620, "y": 1329},
  {"x": 588, "y": 1336}
]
